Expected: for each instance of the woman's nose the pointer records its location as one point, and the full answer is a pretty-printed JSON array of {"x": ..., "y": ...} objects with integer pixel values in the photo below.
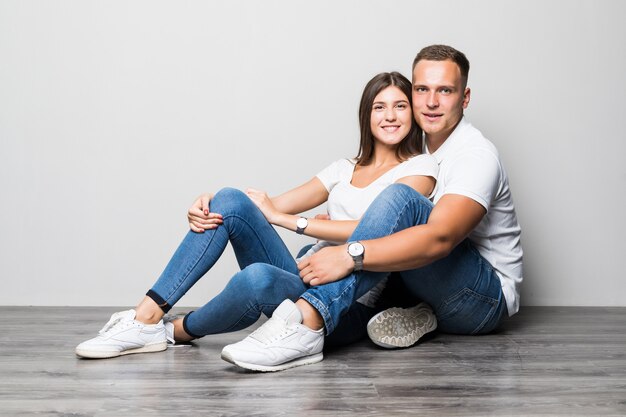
[{"x": 390, "y": 114}]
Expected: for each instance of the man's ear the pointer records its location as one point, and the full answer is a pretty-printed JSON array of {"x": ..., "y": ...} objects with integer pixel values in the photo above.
[{"x": 466, "y": 97}]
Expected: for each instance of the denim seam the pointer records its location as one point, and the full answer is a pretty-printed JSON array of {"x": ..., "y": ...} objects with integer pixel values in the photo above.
[{"x": 189, "y": 269}]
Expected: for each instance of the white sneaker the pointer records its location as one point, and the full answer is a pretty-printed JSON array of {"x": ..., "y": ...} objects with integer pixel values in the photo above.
[
  {"x": 282, "y": 342},
  {"x": 123, "y": 335},
  {"x": 401, "y": 327},
  {"x": 169, "y": 328}
]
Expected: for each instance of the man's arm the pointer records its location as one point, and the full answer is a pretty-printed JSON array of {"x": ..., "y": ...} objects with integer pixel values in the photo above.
[{"x": 451, "y": 220}]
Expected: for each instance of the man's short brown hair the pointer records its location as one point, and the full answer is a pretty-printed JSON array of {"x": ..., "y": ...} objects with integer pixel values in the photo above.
[{"x": 443, "y": 53}]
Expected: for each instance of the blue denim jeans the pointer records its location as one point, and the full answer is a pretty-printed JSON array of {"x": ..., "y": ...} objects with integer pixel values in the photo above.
[
  {"x": 462, "y": 288},
  {"x": 259, "y": 289},
  {"x": 253, "y": 239},
  {"x": 269, "y": 273}
]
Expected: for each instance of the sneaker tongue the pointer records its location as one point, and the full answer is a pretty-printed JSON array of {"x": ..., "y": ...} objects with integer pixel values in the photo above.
[
  {"x": 288, "y": 311},
  {"x": 285, "y": 314},
  {"x": 118, "y": 317}
]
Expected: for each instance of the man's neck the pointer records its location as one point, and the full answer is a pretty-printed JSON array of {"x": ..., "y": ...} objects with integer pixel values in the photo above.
[{"x": 434, "y": 142}]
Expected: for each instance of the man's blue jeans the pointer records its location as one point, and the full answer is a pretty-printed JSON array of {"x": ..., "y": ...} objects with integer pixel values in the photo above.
[
  {"x": 269, "y": 273},
  {"x": 462, "y": 288}
]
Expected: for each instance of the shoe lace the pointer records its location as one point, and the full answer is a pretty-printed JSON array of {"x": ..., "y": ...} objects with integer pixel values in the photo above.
[
  {"x": 116, "y": 320},
  {"x": 271, "y": 330}
]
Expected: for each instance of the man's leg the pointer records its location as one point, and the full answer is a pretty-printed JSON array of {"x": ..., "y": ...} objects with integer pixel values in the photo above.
[
  {"x": 286, "y": 342},
  {"x": 462, "y": 289},
  {"x": 398, "y": 207}
]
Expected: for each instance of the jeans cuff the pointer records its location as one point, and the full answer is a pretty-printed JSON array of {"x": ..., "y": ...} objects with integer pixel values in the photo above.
[
  {"x": 186, "y": 328},
  {"x": 159, "y": 300},
  {"x": 321, "y": 308}
]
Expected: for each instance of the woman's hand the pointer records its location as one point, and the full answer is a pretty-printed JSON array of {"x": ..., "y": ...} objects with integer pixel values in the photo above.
[
  {"x": 199, "y": 216},
  {"x": 264, "y": 203},
  {"x": 328, "y": 265}
]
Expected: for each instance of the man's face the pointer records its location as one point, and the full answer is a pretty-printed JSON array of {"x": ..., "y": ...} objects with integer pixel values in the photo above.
[{"x": 438, "y": 98}]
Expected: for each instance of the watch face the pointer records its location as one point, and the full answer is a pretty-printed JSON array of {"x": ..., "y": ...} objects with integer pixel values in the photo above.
[
  {"x": 355, "y": 249},
  {"x": 302, "y": 223}
]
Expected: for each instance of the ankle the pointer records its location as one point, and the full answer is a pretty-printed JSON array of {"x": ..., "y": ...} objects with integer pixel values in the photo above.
[
  {"x": 180, "y": 335},
  {"x": 311, "y": 318},
  {"x": 148, "y": 312}
]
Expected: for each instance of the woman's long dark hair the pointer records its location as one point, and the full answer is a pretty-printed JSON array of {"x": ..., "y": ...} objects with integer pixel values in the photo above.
[{"x": 411, "y": 145}]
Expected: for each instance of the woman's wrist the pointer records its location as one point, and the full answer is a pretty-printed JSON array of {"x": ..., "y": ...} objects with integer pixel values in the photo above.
[{"x": 288, "y": 221}]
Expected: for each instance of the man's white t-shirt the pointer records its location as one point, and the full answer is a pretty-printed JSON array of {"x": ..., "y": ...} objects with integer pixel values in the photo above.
[
  {"x": 469, "y": 165},
  {"x": 347, "y": 202}
]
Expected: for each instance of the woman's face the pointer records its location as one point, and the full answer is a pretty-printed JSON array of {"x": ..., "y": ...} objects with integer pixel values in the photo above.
[{"x": 391, "y": 116}]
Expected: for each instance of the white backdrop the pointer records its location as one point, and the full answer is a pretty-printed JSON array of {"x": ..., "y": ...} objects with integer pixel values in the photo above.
[{"x": 115, "y": 115}]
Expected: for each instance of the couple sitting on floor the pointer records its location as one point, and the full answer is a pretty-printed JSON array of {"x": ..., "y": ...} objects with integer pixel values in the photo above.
[{"x": 426, "y": 196}]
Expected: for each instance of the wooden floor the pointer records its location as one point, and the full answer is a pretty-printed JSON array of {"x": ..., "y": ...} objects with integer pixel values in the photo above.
[{"x": 545, "y": 361}]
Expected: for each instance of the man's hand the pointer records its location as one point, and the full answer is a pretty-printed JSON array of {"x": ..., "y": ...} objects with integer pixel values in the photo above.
[
  {"x": 328, "y": 265},
  {"x": 199, "y": 216}
]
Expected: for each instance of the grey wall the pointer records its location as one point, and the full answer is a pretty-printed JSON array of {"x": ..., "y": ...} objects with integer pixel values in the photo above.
[{"x": 115, "y": 115}]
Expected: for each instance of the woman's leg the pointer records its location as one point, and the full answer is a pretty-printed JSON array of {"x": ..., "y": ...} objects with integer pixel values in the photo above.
[
  {"x": 253, "y": 240},
  {"x": 257, "y": 289}
]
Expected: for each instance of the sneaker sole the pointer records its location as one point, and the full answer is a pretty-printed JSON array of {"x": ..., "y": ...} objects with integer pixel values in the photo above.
[
  {"x": 95, "y": 354},
  {"x": 399, "y": 328},
  {"x": 307, "y": 360}
]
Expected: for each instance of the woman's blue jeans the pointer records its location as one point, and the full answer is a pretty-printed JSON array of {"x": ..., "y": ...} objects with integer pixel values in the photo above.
[
  {"x": 463, "y": 289},
  {"x": 269, "y": 273}
]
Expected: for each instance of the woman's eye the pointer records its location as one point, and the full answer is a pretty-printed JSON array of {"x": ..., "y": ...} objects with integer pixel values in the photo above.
[
  {"x": 378, "y": 107},
  {"x": 401, "y": 106}
]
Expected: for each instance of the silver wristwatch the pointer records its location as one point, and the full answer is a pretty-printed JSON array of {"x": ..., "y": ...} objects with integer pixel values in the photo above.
[
  {"x": 356, "y": 250},
  {"x": 301, "y": 224}
]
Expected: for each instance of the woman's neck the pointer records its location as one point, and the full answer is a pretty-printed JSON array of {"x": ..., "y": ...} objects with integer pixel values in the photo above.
[{"x": 384, "y": 156}]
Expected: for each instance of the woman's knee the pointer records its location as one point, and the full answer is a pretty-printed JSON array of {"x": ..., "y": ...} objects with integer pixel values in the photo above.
[
  {"x": 400, "y": 192},
  {"x": 254, "y": 279},
  {"x": 398, "y": 204},
  {"x": 228, "y": 200}
]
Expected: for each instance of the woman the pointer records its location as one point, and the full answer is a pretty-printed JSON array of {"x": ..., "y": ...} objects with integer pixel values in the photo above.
[{"x": 389, "y": 152}]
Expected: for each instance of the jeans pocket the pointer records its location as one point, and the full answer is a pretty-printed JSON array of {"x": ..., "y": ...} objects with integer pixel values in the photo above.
[{"x": 466, "y": 312}]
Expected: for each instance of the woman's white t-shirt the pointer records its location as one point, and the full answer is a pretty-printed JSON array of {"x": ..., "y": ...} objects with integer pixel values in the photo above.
[{"x": 347, "y": 202}]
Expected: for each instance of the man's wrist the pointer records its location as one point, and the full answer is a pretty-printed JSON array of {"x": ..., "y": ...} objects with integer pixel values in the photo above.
[{"x": 356, "y": 251}]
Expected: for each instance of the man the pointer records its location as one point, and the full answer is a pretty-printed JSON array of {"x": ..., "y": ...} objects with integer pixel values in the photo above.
[{"x": 462, "y": 256}]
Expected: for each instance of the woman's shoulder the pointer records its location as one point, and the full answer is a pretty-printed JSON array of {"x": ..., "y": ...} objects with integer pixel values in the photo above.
[
  {"x": 422, "y": 164},
  {"x": 341, "y": 165}
]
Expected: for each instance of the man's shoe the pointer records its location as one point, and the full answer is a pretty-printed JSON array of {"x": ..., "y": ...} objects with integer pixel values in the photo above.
[
  {"x": 124, "y": 335},
  {"x": 401, "y": 327},
  {"x": 282, "y": 342}
]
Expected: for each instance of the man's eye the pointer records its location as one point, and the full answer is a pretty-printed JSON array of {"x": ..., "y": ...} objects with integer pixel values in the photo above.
[
  {"x": 420, "y": 89},
  {"x": 445, "y": 91}
]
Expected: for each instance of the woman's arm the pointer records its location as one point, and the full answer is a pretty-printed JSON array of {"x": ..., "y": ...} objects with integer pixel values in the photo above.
[{"x": 281, "y": 210}]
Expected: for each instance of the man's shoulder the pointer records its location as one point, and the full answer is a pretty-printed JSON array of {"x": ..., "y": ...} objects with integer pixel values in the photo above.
[{"x": 472, "y": 141}]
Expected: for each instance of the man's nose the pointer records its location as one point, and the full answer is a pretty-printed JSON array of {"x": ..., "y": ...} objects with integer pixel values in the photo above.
[{"x": 433, "y": 100}]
